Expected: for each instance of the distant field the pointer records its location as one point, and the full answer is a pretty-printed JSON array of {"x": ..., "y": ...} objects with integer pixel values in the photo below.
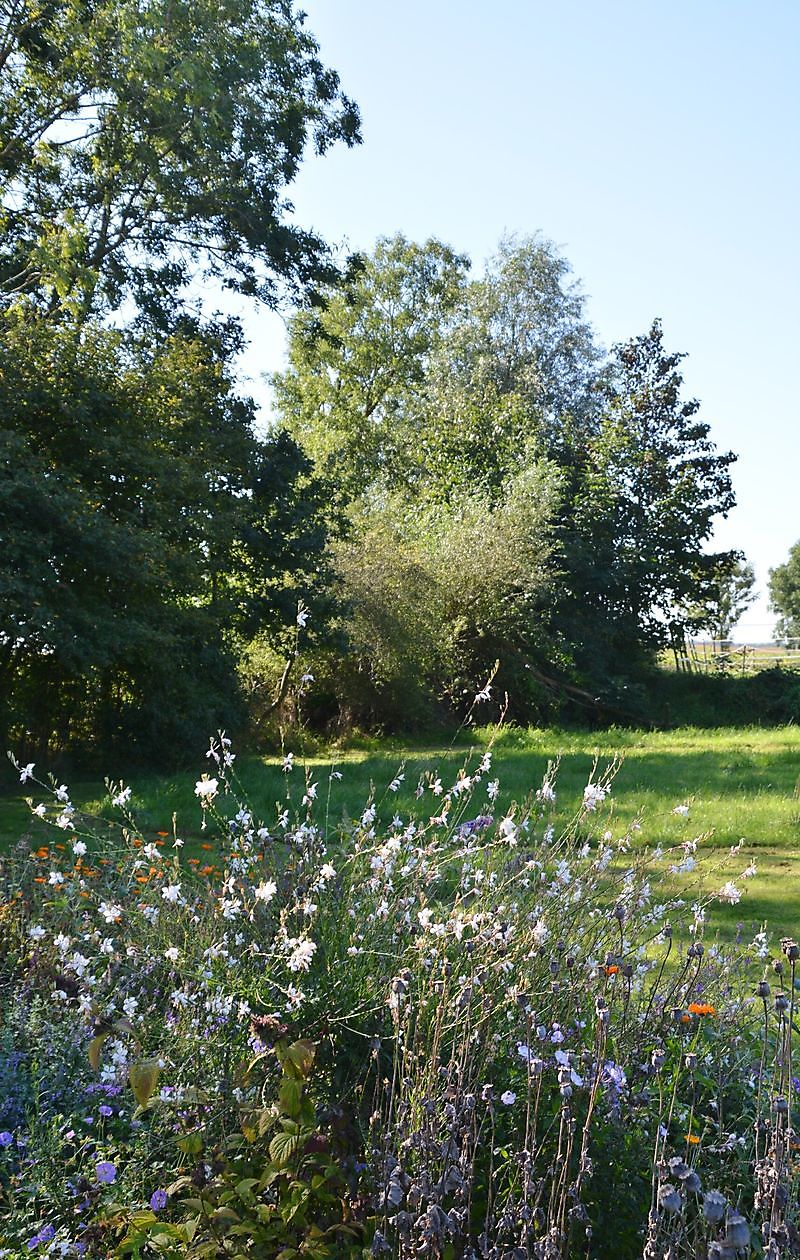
[
  {"x": 740, "y": 784},
  {"x": 712, "y": 657}
]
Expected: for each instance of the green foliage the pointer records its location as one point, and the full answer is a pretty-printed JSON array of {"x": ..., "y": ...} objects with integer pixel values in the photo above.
[
  {"x": 144, "y": 530},
  {"x": 274, "y": 1189},
  {"x": 142, "y": 146},
  {"x": 784, "y": 594},
  {"x": 431, "y": 599},
  {"x": 731, "y": 592},
  {"x": 643, "y": 495},
  {"x": 354, "y": 392}
]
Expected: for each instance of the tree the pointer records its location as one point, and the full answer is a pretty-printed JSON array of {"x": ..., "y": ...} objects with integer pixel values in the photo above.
[
  {"x": 141, "y": 537},
  {"x": 732, "y": 591},
  {"x": 354, "y": 393},
  {"x": 144, "y": 145},
  {"x": 641, "y": 496},
  {"x": 410, "y": 376},
  {"x": 784, "y": 595}
]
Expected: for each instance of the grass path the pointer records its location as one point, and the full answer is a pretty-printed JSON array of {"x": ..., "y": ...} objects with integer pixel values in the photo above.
[{"x": 740, "y": 784}]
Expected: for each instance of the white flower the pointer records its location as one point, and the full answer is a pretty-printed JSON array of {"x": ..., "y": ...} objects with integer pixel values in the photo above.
[
  {"x": 540, "y": 932},
  {"x": 36, "y": 932},
  {"x": 508, "y": 1098},
  {"x": 266, "y": 891},
  {"x": 327, "y": 871},
  {"x": 730, "y": 893},
  {"x": 27, "y": 772},
  {"x": 172, "y": 954},
  {"x": 493, "y": 789},
  {"x": 394, "y": 786},
  {"x": 130, "y": 1006},
  {"x": 61, "y": 942},
  {"x": 302, "y": 618},
  {"x": 122, "y": 798},
  {"x": 336, "y": 774},
  {"x": 593, "y": 795},
  {"x": 368, "y": 817},
  {"x": 110, "y": 912},
  {"x": 206, "y": 789},
  {"x": 681, "y": 810},
  {"x": 483, "y": 695},
  {"x": 288, "y": 762},
  {"x": 64, "y": 820},
  {"x": 56, "y": 878},
  {"x": 62, "y": 793},
  {"x": 171, "y": 892},
  {"x": 311, "y": 793},
  {"x": 546, "y": 793},
  {"x": 750, "y": 871},
  {"x": 302, "y": 953},
  {"x": 40, "y": 810}
]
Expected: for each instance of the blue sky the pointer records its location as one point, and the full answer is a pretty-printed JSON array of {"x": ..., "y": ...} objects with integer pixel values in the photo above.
[{"x": 656, "y": 144}]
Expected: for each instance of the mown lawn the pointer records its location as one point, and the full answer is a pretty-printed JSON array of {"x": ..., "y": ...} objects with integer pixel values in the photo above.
[{"x": 740, "y": 784}]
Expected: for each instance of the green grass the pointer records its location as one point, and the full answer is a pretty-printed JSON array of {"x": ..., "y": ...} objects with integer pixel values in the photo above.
[{"x": 741, "y": 784}]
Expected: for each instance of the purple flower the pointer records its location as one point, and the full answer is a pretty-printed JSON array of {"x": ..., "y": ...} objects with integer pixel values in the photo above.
[
  {"x": 158, "y": 1200},
  {"x": 106, "y": 1172},
  {"x": 105, "y": 1110},
  {"x": 6, "y": 1138}
]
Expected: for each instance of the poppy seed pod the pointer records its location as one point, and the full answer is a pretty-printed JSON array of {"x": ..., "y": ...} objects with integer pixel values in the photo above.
[
  {"x": 714, "y": 1205},
  {"x": 781, "y": 1002},
  {"x": 763, "y": 989},
  {"x": 692, "y": 1183},
  {"x": 678, "y": 1167},
  {"x": 668, "y": 1198},
  {"x": 781, "y": 1107},
  {"x": 690, "y": 1061},
  {"x": 791, "y": 949},
  {"x": 737, "y": 1231}
]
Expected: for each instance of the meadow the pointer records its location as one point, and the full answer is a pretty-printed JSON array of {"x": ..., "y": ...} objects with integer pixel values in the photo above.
[
  {"x": 742, "y": 785},
  {"x": 511, "y": 1000}
]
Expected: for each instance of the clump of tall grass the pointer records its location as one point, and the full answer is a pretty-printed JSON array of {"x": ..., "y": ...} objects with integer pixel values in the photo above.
[{"x": 446, "y": 1034}]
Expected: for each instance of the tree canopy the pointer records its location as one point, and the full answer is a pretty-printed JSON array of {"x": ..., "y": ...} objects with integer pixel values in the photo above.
[
  {"x": 784, "y": 594},
  {"x": 144, "y": 145}
]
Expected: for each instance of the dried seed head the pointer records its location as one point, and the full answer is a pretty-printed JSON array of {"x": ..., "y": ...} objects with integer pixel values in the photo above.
[
  {"x": 690, "y": 1061},
  {"x": 669, "y": 1200},
  {"x": 790, "y": 948},
  {"x": 714, "y": 1205},
  {"x": 763, "y": 989},
  {"x": 737, "y": 1231},
  {"x": 781, "y": 1002}
]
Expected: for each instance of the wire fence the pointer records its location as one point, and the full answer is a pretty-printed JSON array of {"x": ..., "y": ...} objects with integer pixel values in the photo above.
[{"x": 718, "y": 656}]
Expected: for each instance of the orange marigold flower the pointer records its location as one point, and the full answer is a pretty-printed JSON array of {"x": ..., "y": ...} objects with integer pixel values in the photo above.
[
  {"x": 137, "y": 844},
  {"x": 701, "y": 1008},
  {"x": 692, "y": 1139},
  {"x": 62, "y": 848},
  {"x": 611, "y": 969},
  {"x": 39, "y": 879},
  {"x": 164, "y": 834},
  {"x": 142, "y": 879},
  {"x": 208, "y": 847}
]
